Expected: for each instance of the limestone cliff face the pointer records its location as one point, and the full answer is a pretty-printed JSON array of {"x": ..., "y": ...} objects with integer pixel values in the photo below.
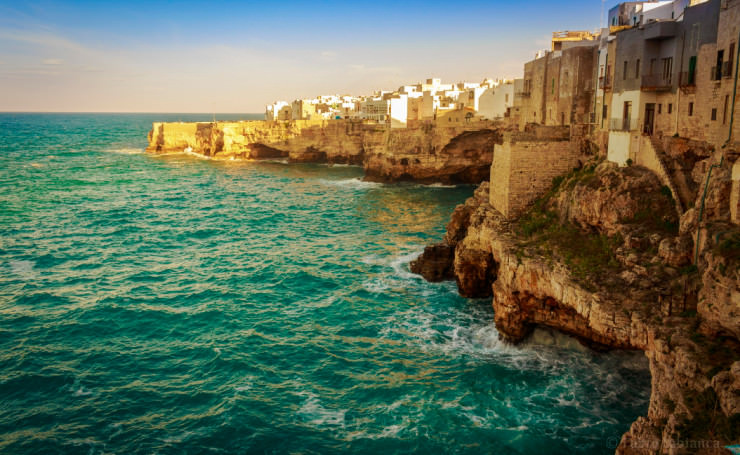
[
  {"x": 602, "y": 258},
  {"x": 432, "y": 154},
  {"x": 424, "y": 153},
  {"x": 314, "y": 141}
]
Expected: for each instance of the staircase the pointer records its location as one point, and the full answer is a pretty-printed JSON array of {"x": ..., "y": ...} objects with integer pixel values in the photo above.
[{"x": 681, "y": 198}]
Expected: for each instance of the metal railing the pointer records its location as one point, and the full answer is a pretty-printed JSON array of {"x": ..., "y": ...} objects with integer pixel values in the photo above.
[
  {"x": 522, "y": 94},
  {"x": 727, "y": 69},
  {"x": 687, "y": 79},
  {"x": 605, "y": 82},
  {"x": 620, "y": 124},
  {"x": 716, "y": 73},
  {"x": 656, "y": 82}
]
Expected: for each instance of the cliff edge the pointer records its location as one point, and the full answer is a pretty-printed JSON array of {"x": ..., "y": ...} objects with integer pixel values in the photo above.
[
  {"x": 605, "y": 257},
  {"x": 426, "y": 152}
]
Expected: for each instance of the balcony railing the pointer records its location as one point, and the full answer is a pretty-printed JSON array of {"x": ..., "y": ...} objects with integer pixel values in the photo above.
[
  {"x": 718, "y": 72},
  {"x": 727, "y": 69},
  {"x": 522, "y": 94},
  {"x": 620, "y": 124},
  {"x": 687, "y": 79},
  {"x": 656, "y": 82},
  {"x": 605, "y": 82}
]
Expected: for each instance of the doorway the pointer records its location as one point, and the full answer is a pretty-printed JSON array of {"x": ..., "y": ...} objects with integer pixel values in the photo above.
[{"x": 649, "y": 119}]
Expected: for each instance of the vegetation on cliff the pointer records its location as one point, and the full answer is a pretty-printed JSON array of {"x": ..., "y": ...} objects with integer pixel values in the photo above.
[{"x": 605, "y": 256}]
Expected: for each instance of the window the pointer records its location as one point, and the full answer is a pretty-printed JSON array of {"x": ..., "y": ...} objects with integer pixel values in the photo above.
[
  {"x": 660, "y": 108},
  {"x": 667, "y": 68},
  {"x": 506, "y": 98},
  {"x": 670, "y": 108},
  {"x": 692, "y": 70},
  {"x": 637, "y": 69},
  {"x": 724, "y": 109},
  {"x": 714, "y": 114},
  {"x": 624, "y": 73},
  {"x": 626, "y": 114},
  {"x": 718, "y": 68},
  {"x": 730, "y": 59},
  {"x": 603, "y": 112},
  {"x": 651, "y": 70},
  {"x": 552, "y": 89},
  {"x": 691, "y": 109}
]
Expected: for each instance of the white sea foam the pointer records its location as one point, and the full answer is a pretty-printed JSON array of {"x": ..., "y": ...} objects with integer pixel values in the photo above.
[
  {"x": 22, "y": 268},
  {"x": 440, "y": 185},
  {"x": 189, "y": 151},
  {"x": 399, "y": 264},
  {"x": 318, "y": 415},
  {"x": 125, "y": 150},
  {"x": 353, "y": 183}
]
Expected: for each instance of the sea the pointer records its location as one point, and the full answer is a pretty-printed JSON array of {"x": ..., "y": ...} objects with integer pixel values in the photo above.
[{"x": 177, "y": 305}]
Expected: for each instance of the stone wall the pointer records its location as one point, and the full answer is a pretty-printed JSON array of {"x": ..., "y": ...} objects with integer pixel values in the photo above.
[{"x": 523, "y": 168}]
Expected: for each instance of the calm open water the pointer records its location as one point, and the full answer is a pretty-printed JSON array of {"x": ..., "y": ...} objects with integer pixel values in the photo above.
[{"x": 169, "y": 304}]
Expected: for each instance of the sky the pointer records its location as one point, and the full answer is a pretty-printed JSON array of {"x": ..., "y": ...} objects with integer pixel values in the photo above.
[{"x": 148, "y": 56}]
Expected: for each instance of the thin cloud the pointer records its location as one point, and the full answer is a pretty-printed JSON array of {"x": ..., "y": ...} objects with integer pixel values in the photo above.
[
  {"x": 376, "y": 69},
  {"x": 43, "y": 39},
  {"x": 53, "y": 61},
  {"x": 328, "y": 56}
]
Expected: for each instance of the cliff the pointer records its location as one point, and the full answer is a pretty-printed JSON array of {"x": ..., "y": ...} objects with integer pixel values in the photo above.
[
  {"x": 603, "y": 256},
  {"x": 425, "y": 153}
]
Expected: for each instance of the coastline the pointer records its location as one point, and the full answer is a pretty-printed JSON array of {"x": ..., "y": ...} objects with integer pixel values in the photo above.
[{"x": 482, "y": 253}]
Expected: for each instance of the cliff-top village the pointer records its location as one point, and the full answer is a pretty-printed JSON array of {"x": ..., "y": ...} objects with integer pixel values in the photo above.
[{"x": 660, "y": 69}]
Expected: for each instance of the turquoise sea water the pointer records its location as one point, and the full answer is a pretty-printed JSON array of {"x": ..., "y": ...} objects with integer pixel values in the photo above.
[{"x": 169, "y": 304}]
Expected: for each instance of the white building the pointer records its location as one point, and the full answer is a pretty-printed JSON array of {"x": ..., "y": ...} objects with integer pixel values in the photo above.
[
  {"x": 279, "y": 110},
  {"x": 495, "y": 102},
  {"x": 391, "y": 110}
]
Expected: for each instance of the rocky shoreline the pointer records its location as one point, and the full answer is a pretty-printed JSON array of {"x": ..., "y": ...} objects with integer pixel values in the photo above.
[
  {"x": 604, "y": 257},
  {"x": 424, "y": 153}
]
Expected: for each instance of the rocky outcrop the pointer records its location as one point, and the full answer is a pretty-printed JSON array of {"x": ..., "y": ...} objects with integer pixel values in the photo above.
[
  {"x": 601, "y": 257},
  {"x": 435, "y": 263},
  {"x": 432, "y": 154},
  {"x": 425, "y": 152},
  {"x": 299, "y": 141}
]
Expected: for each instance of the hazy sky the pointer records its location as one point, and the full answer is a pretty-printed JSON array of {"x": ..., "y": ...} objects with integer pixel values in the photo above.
[{"x": 236, "y": 57}]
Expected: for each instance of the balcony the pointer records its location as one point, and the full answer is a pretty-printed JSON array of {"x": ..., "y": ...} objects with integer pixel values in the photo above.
[
  {"x": 722, "y": 71},
  {"x": 522, "y": 94},
  {"x": 659, "y": 30},
  {"x": 620, "y": 124},
  {"x": 687, "y": 79},
  {"x": 656, "y": 83},
  {"x": 605, "y": 82},
  {"x": 727, "y": 69}
]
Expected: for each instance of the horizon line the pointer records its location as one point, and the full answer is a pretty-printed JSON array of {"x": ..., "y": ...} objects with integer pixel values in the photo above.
[{"x": 126, "y": 112}]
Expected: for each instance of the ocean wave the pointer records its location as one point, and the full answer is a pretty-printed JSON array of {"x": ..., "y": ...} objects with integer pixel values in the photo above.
[
  {"x": 316, "y": 414},
  {"x": 354, "y": 183},
  {"x": 344, "y": 165},
  {"x": 125, "y": 150},
  {"x": 440, "y": 185},
  {"x": 189, "y": 151}
]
